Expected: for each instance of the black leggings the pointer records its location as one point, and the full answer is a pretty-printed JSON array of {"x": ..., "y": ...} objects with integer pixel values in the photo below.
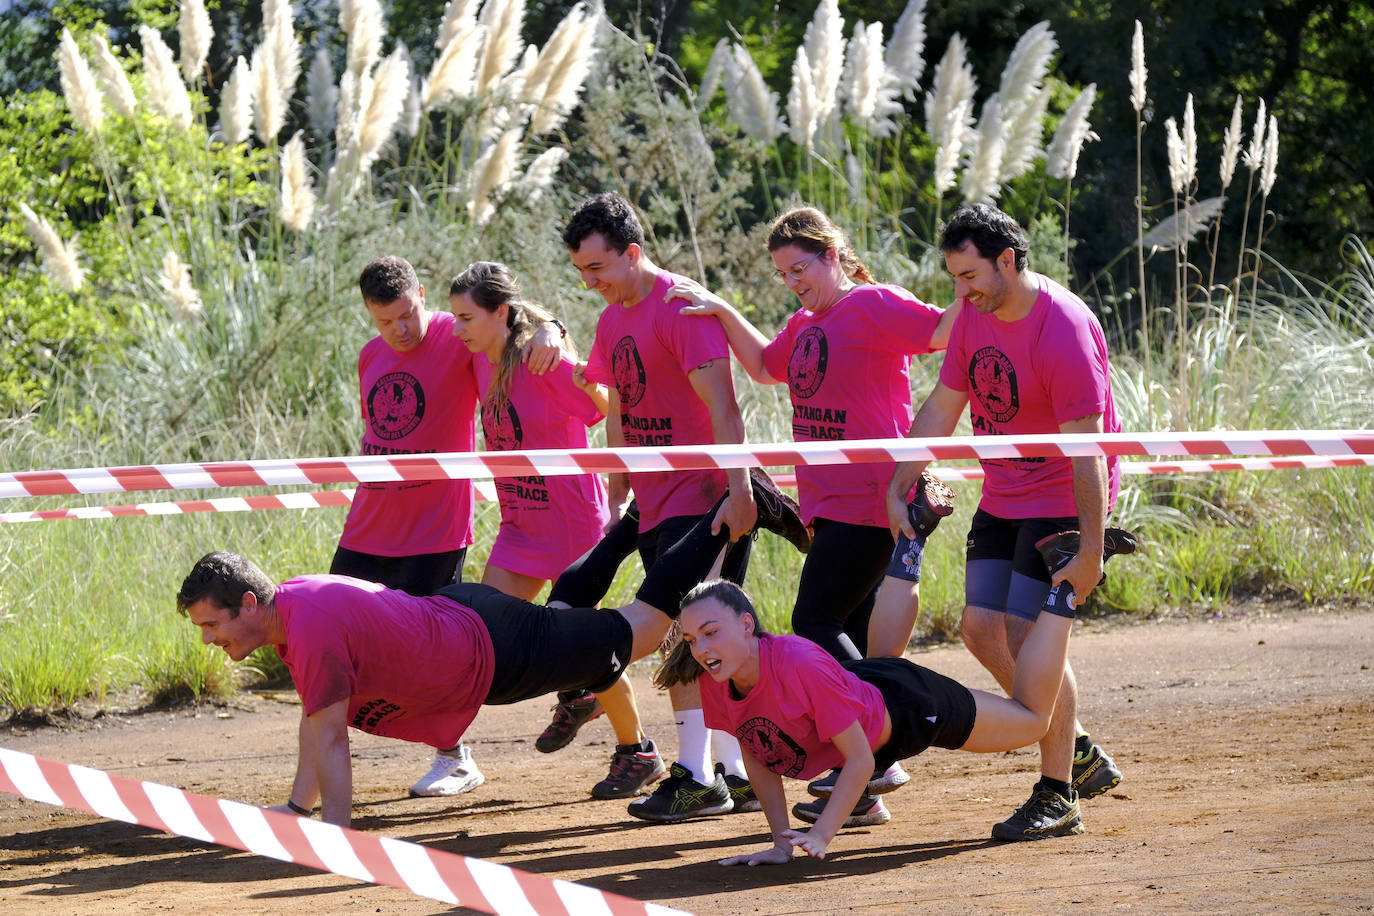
[{"x": 839, "y": 582}]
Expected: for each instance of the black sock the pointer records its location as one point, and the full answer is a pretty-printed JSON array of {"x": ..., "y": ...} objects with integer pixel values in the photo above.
[{"x": 1058, "y": 785}]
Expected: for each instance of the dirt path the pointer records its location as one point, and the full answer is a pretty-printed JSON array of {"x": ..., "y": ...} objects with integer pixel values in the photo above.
[{"x": 1245, "y": 744}]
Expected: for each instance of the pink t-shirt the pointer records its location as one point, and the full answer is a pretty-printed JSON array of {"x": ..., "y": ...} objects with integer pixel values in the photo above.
[
  {"x": 413, "y": 668},
  {"x": 803, "y": 699},
  {"x": 424, "y": 400},
  {"x": 1029, "y": 376},
  {"x": 848, "y": 374},
  {"x": 546, "y": 522},
  {"x": 646, "y": 351}
]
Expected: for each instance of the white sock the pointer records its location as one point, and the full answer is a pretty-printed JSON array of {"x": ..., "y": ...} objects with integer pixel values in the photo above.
[
  {"x": 693, "y": 747},
  {"x": 725, "y": 747}
]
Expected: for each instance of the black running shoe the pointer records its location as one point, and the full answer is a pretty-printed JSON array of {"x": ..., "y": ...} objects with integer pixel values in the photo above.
[
  {"x": 1059, "y": 548},
  {"x": 1094, "y": 773},
  {"x": 680, "y": 796},
  {"x": 932, "y": 502},
  {"x": 572, "y": 712},
  {"x": 741, "y": 792},
  {"x": 778, "y": 512},
  {"x": 633, "y": 767},
  {"x": 1045, "y": 814}
]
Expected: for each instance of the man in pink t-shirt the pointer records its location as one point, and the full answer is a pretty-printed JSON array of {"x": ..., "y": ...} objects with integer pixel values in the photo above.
[{"x": 1027, "y": 356}]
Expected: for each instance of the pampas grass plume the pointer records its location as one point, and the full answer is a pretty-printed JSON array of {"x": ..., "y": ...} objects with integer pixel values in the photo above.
[
  {"x": 280, "y": 37},
  {"x": 802, "y": 107},
  {"x": 451, "y": 75},
  {"x": 1138, "y": 72},
  {"x": 114, "y": 82},
  {"x": 361, "y": 21},
  {"x": 1271, "y": 156},
  {"x": 824, "y": 43},
  {"x": 166, "y": 92},
  {"x": 715, "y": 70},
  {"x": 182, "y": 296},
  {"x": 78, "y": 86},
  {"x": 492, "y": 171},
  {"x": 297, "y": 191},
  {"x": 193, "y": 26},
  {"x": 60, "y": 258},
  {"x": 540, "y": 173},
  {"x": 947, "y": 153},
  {"x": 750, "y": 103},
  {"x": 953, "y": 84},
  {"x": 985, "y": 159},
  {"x": 236, "y": 104},
  {"x": 504, "y": 20},
  {"x": 1189, "y": 144},
  {"x": 1073, "y": 132},
  {"x": 1183, "y": 226},
  {"x": 565, "y": 84},
  {"x": 905, "y": 58},
  {"x": 871, "y": 93},
  {"x": 269, "y": 115},
  {"x": 1024, "y": 136},
  {"x": 1178, "y": 179},
  {"x": 1025, "y": 71},
  {"x": 1254, "y": 153},
  {"x": 459, "y": 17},
  {"x": 321, "y": 95}
]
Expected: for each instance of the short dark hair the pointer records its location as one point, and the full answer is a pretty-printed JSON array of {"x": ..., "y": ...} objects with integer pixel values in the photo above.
[
  {"x": 608, "y": 214},
  {"x": 387, "y": 279},
  {"x": 223, "y": 577},
  {"x": 989, "y": 229}
]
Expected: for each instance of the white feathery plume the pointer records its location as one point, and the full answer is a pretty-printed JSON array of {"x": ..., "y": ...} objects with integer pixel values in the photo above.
[
  {"x": 492, "y": 171},
  {"x": 280, "y": 36},
  {"x": 564, "y": 87},
  {"x": 1254, "y": 153},
  {"x": 1189, "y": 145},
  {"x": 409, "y": 124},
  {"x": 1025, "y": 71},
  {"x": 182, "y": 296},
  {"x": 1138, "y": 68},
  {"x": 166, "y": 93},
  {"x": 550, "y": 57},
  {"x": 824, "y": 43},
  {"x": 540, "y": 172},
  {"x": 953, "y": 83},
  {"x": 905, "y": 57},
  {"x": 346, "y": 122},
  {"x": 193, "y": 26},
  {"x": 749, "y": 103},
  {"x": 1182, "y": 226},
  {"x": 947, "y": 153},
  {"x": 459, "y": 17},
  {"x": 114, "y": 82},
  {"x": 451, "y": 76},
  {"x": 871, "y": 95},
  {"x": 1174, "y": 145},
  {"x": 297, "y": 192},
  {"x": 1024, "y": 136},
  {"x": 1271, "y": 157},
  {"x": 1230, "y": 147},
  {"x": 504, "y": 20},
  {"x": 1074, "y": 131},
  {"x": 361, "y": 21},
  {"x": 802, "y": 108},
  {"x": 78, "y": 86},
  {"x": 854, "y": 177},
  {"x": 321, "y": 95},
  {"x": 985, "y": 156},
  {"x": 60, "y": 258},
  {"x": 269, "y": 114},
  {"x": 378, "y": 114},
  {"x": 236, "y": 104},
  {"x": 715, "y": 69}
]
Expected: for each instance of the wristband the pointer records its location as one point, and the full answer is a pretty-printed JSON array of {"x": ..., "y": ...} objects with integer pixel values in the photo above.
[
  {"x": 563, "y": 331},
  {"x": 303, "y": 812}
]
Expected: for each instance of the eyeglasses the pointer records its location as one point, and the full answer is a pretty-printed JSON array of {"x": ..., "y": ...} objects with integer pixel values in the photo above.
[{"x": 796, "y": 271}]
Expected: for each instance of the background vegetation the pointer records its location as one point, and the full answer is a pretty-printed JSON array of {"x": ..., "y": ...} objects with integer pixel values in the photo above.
[{"x": 179, "y": 282}]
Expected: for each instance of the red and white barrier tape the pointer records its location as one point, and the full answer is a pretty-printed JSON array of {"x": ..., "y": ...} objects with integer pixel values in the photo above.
[
  {"x": 472, "y": 465},
  {"x": 432, "y": 873},
  {"x": 486, "y": 489}
]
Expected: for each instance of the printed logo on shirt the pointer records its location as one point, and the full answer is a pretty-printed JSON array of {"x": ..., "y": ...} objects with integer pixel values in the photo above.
[
  {"x": 371, "y": 714},
  {"x": 993, "y": 380},
  {"x": 806, "y": 367},
  {"x": 501, "y": 427},
  {"x": 628, "y": 370},
  {"x": 395, "y": 405},
  {"x": 771, "y": 746}
]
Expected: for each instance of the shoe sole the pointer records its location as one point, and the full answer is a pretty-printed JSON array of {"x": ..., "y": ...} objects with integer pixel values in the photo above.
[
  {"x": 642, "y": 789},
  {"x": 747, "y": 807},
  {"x": 782, "y": 506},
  {"x": 571, "y": 737},
  {"x": 1069, "y": 827},
  {"x": 465, "y": 787},
  {"x": 686, "y": 815},
  {"x": 875, "y": 786}
]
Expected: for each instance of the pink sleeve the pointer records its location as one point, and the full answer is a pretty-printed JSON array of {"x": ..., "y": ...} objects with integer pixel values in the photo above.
[
  {"x": 1077, "y": 378},
  {"x": 778, "y": 352},
  {"x": 320, "y": 665},
  {"x": 907, "y": 322},
  {"x": 598, "y": 360},
  {"x": 954, "y": 369},
  {"x": 571, "y": 398},
  {"x": 692, "y": 341}
]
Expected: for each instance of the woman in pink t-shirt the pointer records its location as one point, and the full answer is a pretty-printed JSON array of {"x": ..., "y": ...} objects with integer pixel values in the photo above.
[
  {"x": 847, "y": 714},
  {"x": 546, "y": 522}
]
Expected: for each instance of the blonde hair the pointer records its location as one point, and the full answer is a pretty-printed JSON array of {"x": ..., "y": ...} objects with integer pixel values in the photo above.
[
  {"x": 492, "y": 285},
  {"x": 812, "y": 231}
]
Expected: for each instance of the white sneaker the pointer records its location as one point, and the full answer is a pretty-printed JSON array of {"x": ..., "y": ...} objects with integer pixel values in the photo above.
[{"x": 452, "y": 773}]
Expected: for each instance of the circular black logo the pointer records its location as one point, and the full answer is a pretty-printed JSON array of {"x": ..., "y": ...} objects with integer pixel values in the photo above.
[
  {"x": 628, "y": 370},
  {"x": 993, "y": 380},
  {"x": 771, "y": 746},
  {"x": 806, "y": 368},
  {"x": 501, "y": 427},
  {"x": 395, "y": 405}
]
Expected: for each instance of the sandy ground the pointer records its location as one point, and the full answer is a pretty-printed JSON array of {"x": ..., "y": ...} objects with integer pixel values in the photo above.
[{"x": 1245, "y": 743}]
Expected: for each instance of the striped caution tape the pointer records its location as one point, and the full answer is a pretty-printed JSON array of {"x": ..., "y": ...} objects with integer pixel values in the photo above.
[
  {"x": 432, "y": 873},
  {"x": 554, "y": 462}
]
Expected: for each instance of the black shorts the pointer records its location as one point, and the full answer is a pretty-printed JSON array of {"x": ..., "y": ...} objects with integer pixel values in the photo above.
[
  {"x": 420, "y": 574},
  {"x": 927, "y": 708},
  {"x": 541, "y": 650},
  {"x": 1003, "y": 570}
]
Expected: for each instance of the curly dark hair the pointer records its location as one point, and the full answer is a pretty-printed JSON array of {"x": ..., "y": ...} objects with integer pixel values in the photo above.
[
  {"x": 608, "y": 214},
  {"x": 386, "y": 279},
  {"x": 990, "y": 230},
  {"x": 223, "y": 577}
]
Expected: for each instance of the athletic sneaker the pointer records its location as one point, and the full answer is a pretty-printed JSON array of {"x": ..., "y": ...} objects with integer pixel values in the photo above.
[
  {"x": 452, "y": 773},
  {"x": 1045, "y": 814},
  {"x": 1094, "y": 773},
  {"x": 572, "y": 712},
  {"x": 933, "y": 501},
  {"x": 869, "y": 812},
  {"x": 894, "y": 777},
  {"x": 632, "y": 768},
  {"x": 778, "y": 512},
  {"x": 680, "y": 796},
  {"x": 1059, "y": 548},
  {"x": 741, "y": 792}
]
